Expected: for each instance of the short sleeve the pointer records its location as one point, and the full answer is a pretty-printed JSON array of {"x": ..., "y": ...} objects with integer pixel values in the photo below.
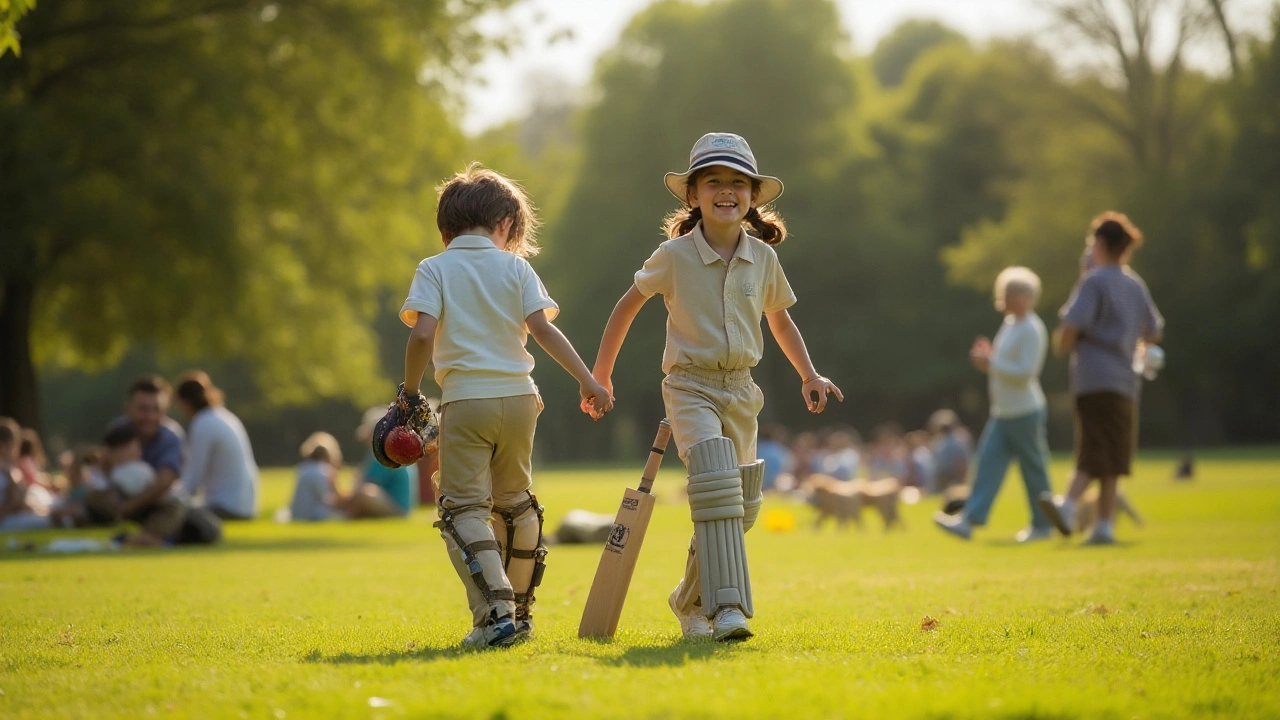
[
  {"x": 425, "y": 295},
  {"x": 1082, "y": 306},
  {"x": 168, "y": 454},
  {"x": 655, "y": 277},
  {"x": 778, "y": 294},
  {"x": 533, "y": 294}
]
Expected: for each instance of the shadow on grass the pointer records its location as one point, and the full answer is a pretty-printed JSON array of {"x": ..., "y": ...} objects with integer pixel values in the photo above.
[
  {"x": 674, "y": 654},
  {"x": 225, "y": 548},
  {"x": 392, "y": 657}
]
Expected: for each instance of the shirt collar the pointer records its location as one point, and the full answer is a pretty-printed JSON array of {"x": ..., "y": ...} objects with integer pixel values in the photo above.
[
  {"x": 471, "y": 242},
  {"x": 710, "y": 256}
]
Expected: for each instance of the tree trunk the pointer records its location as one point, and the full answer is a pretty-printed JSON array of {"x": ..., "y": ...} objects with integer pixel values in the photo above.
[{"x": 18, "y": 393}]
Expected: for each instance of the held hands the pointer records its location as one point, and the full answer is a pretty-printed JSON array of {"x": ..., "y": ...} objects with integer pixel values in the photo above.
[
  {"x": 980, "y": 354},
  {"x": 819, "y": 386},
  {"x": 597, "y": 397}
]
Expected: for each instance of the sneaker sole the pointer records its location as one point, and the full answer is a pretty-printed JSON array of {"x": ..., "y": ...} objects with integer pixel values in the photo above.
[
  {"x": 736, "y": 634},
  {"x": 1052, "y": 515}
]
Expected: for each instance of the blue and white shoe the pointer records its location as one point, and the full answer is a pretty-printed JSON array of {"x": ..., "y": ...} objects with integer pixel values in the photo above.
[{"x": 495, "y": 633}]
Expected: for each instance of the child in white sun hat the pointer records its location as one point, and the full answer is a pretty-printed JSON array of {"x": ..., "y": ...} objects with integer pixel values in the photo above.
[{"x": 717, "y": 280}]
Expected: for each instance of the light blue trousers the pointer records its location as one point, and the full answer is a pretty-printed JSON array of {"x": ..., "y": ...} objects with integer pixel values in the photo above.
[{"x": 1003, "y": 440}]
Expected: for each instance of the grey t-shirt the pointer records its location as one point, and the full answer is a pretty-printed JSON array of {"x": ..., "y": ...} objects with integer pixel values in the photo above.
[
  {"x": 310, "y": 492},
  {"x": 1113, "y": 310}
]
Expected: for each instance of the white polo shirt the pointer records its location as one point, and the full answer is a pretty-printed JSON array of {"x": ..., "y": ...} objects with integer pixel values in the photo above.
[
  {"x": 714, "y": 307},
  {"x": 480, "y": 296}
]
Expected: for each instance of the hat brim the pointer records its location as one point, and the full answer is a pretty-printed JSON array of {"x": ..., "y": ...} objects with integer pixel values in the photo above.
[{"x": 770, "y": 187}]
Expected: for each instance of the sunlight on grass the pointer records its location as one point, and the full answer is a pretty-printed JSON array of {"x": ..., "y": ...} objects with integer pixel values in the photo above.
[{"x": 1180, "y": 620}]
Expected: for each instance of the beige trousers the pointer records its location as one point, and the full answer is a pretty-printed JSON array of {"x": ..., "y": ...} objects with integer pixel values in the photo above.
[
  {"x": 486, "y": 449},
  {"x": 703, "y": 404}
]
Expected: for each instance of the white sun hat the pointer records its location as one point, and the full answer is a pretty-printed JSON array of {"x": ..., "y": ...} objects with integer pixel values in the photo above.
[{"x": 730, "y": 151}]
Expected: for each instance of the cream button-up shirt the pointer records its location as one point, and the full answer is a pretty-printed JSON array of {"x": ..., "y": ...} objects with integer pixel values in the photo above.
[{"x": 713, "y": 307}]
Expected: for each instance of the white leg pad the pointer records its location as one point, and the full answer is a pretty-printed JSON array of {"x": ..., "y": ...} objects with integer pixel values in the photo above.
[
  {"x": 715, "y": 499},
  {"x": 752, "y": 492},
  {"x": 479, "y": 560}
]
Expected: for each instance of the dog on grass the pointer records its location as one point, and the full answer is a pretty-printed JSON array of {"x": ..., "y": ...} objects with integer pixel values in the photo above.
[{"x": 844, "y": 501}]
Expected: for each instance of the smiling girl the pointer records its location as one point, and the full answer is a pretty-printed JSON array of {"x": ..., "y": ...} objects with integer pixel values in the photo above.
[{"x": 717, "y": 280}]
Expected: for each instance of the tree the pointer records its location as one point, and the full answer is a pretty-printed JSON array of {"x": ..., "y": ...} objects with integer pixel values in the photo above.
[
  {"x": 220, "y": 177},
  {"x": 11, "y": 11},
  {"x": 898, "y": 50}
]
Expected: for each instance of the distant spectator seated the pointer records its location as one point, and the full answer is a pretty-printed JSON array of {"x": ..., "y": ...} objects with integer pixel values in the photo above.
[
  {"x": 220, "y": 465},
  {"x": 316, "y": 496},
  {"x": 952, "y": 449},
  {"x": 841, "y": 458},
  {"x": 146, "y": 411},
  {"x": 128, "y": 477},
  {"x": 920, "y": 466},
  {"x": 16, "y": 512},
  {"x": 779, "y": 465},
  {"x": 397, "y": 483},
  {"x": 79, "y": 468},
  {"x": 888, "y": 453},
  {"x": 32, "y": 461}
]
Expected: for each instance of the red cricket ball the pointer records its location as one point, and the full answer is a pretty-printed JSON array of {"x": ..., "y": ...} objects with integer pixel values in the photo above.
[{"x": 403, "y": 446}]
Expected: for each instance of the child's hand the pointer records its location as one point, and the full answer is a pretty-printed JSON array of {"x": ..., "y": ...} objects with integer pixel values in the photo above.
[
  {"x": 980, "y": 353},
  {"x": 596, "y": 399},
  {"x": 819, "y": 386}
]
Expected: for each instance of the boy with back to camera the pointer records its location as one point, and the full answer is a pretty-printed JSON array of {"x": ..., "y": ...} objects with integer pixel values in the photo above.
[{"x": 472, "y": 308}]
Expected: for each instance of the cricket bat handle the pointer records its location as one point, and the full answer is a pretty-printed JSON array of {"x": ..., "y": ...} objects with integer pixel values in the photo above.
[{"x": 655, "y": 457}]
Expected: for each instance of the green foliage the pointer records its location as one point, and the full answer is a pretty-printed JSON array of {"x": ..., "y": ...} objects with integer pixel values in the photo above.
[
  {"x": 319, "y": 620},
  {"x": 11, "y": 11},
  {"x": 227, "y": 178},
  {"x": 897, "y": 51}
]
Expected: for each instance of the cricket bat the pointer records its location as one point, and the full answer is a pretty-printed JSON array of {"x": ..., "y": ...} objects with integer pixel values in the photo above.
[{"x": 622, "y": 549}]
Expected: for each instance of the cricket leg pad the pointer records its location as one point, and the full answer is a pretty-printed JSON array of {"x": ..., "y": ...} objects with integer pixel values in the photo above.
[
  {"x": 477, "y": 556},
  {"x": 752, "y": 492},
  {"x": 716, "y": 504},
  {"x": 519, "y": 532}
]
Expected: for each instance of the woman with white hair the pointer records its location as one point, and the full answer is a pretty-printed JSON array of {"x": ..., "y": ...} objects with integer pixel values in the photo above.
[{"x": 1016, "y": 428}]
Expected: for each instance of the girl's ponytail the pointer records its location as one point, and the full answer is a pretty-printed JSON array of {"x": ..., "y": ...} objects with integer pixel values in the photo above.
[
  {"x": 768, "y": 225},
  {"x": 681, "y": 222}
]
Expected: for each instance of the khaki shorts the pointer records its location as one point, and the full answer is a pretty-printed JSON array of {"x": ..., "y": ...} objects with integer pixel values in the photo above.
[
  {"x": 704, "y": 404},
  {"x": 486, "y": 450},
  {"x": 1104, "y": 426}
]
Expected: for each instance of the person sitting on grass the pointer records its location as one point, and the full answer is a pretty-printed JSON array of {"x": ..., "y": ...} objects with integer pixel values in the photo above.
[
  {"x": 78, "y": 467},
  {"x": 220, "y": 464},
  {"x": 316, "y": 496},
  {"x": 15, "y": 512},
  {"x": 146, "y": 414},
  {"x": 129, "y": 476}
]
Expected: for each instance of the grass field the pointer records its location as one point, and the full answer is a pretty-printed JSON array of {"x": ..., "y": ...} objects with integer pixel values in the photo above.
[{"x": 362, "y": 620}]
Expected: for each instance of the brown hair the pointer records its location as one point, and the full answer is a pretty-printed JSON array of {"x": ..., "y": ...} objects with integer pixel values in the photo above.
[
  {"x": 150, "y": 384},
  {"x": 322, "y": 447},
  {"x": 10, "y": 430},
  {"x": 1116, "y": 232},
  {"x": 480, "y": 197},
  {"x": 197, "y": 390},
  {"x": 767, "y": 224},
  {"x": 32, "y": 446}
]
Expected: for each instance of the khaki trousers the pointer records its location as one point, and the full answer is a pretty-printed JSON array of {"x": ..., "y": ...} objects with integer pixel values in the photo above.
[
  {"x": 704, "y": 404},
  {"x": 486, "y": 449}
]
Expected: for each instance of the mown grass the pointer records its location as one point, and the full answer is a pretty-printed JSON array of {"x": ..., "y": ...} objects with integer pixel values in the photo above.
[{"x": 362, "y": 620}]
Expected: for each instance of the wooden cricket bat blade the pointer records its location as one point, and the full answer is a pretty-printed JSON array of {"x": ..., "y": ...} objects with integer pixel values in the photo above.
[{"x": 622, "y": 549}]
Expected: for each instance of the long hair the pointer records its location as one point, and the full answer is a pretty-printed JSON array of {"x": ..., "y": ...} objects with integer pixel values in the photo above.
[
  {"x": 764, "y": 224},
  {"x": 197, "y": 390}
]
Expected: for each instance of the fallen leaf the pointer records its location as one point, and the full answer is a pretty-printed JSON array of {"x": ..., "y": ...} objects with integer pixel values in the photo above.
[
  {"x": 1100, "y": 610},
  {"x": 929, "y": 624}
]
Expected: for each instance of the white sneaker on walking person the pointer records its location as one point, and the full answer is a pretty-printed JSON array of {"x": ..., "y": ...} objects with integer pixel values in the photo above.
[
  {"x": 1061, "y": 511},
  {"x": 1033, "y": 534},
  {"x": 693, "y": 625},
  {"x": 954, "y": 524},
  {"x": 1102, "y": 534},
  {"x": 731, "y": 624}
]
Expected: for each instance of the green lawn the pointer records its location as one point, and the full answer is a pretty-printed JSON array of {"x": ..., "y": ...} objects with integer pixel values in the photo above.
[{"x": 361, "y": 620}]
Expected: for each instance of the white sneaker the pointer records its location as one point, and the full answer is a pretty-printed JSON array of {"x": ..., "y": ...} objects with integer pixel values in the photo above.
[
  {"x": 1059, "y": 510},
  {"x": 954, "y": 524},
  {"x": 1033, "y": 534},
  {"x": 731, "y": 624},
  {"x": 1102, "y": 535},
  {"x": 693, "y": 625}
]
